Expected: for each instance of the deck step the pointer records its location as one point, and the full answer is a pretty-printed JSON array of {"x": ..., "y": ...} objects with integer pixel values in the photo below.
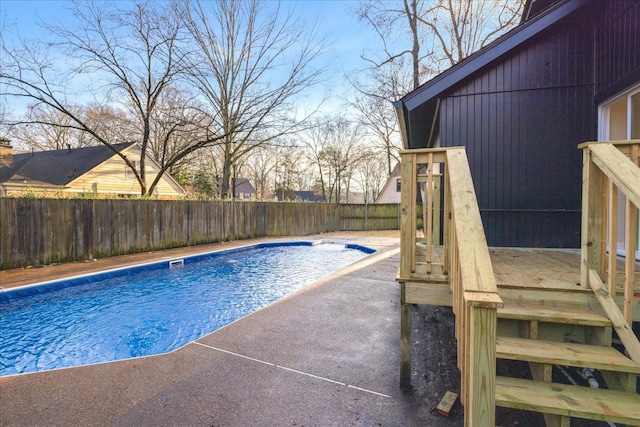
[
  {"x": 562, "y": 353},
  {"x": 568, "y": 400},
  {"x": 552, "y": 315}
]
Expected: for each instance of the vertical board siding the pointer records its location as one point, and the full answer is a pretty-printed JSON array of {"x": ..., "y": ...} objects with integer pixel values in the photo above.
[
  {"x": 618, "y": 47},
  {"x": 522, "y": 117},
  {"x": 521, "y": 120},
  {"x": 45, "y": 231}
]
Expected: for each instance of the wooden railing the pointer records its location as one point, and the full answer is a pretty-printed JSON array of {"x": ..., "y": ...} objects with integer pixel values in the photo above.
[
  {"x": 465, "y": 261},
  {"x": 611, "y": 170}
]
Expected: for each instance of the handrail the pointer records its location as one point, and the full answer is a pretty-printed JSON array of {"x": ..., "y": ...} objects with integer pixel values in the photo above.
[
  {"x": 467, "y": 263},
  {"x": 610, "y": 169},
  {"x": 477, "y": 271}
]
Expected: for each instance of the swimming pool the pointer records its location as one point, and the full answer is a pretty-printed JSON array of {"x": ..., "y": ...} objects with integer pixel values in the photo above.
[{"x": 154, "y": 308}]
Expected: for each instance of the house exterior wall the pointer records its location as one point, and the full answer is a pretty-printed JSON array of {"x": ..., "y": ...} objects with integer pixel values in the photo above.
[
  {"x": 114, "y": 177},
  {"x": 245, "y": 196},
  {"x": 391, "y": 191},
  {"x": 617, "y": 48},
  {"x": 522, "y": 118}
]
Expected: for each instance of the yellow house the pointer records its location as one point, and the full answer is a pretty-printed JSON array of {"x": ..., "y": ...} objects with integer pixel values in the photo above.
[{"x": 77, "y": 170}]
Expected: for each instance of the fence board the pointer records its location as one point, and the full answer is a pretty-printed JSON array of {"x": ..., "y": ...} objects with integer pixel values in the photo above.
[{"x": 37, "y": 232}]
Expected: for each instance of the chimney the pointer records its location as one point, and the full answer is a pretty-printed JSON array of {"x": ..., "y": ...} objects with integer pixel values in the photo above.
[{"x": 6, "y": 153}]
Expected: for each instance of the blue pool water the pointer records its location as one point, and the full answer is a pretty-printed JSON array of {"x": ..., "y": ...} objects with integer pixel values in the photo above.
[{"x": 153, "y": 309}]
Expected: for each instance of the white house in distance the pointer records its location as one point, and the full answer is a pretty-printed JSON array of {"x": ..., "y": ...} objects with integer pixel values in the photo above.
[
  {"x": 76, "y": 170},
  {"x": 391, "y": 191}
]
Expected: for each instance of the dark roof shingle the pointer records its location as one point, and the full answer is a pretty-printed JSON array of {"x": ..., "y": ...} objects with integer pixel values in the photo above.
[{"x": 57, "y": 167}]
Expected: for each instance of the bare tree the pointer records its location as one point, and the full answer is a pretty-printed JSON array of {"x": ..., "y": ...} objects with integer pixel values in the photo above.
[
  {"x": 417, "y": 39},
  {"x": 261, "y": 165},
  {"x": 39, "y": 134},
  {"x": 177, "y": 122},
  {"x": 462, "y": 27},
  {"x": 435, "y": 30},
  {"x": 379, "y": 120},
  {"x": 252, "y": 59},
  {"x": 335, "y": 149},
  {"x": 389, "y": 19},
  {"x": 113, "y": 122},
  {"x": 125, "y": 58},
  {"x": 371, "y": 175},
  {"x": 44, "y": 137},
  {"x": 286, "y": 172},
  {"x": 315, "y": 138}
]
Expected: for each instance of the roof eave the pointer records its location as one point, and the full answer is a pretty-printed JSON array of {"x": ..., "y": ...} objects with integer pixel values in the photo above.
[
  {"x": 488, "y": 54},
  {"x": 402, "y": 122}
]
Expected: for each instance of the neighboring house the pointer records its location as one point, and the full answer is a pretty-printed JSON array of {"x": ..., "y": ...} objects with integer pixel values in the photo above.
[
  {"x": 243, "y": 189},
  {"x": 569, "y": 73},
  {"x": 308, "y": 196},
  {"x": 77, "y": 170},
  {"x": 391, "y": 191}
]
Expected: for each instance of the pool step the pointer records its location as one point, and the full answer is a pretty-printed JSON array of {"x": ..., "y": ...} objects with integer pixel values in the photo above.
[{"x": 568, "y": 400}]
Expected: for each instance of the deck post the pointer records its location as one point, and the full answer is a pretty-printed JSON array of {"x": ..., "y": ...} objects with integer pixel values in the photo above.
[
  {"x": 481, "y": 378},
  {"x": 407, "y": 214},
  {"x": 592, "y": 220},
  {"x": 405, "y": 341}
]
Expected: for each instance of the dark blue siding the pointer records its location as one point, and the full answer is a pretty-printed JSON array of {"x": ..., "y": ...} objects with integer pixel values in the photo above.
[
  {"x": 522, "y": 117},
  {"x": 617, "y": 48}
]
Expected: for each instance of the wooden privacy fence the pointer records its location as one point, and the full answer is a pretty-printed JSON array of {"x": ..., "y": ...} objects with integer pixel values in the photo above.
[{"x": 44, "y": 231}]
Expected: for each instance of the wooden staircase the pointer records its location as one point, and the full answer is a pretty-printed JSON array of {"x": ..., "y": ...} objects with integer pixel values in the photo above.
[
  {"x": 524, "y": 304},
  {"x": 559, "y": 402}
]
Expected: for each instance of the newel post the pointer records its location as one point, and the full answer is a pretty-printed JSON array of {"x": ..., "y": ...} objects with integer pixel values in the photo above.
[
  {"x": 592, "y": 217},
  {"x": 481, "y": 366},
  {"x": 407, "y": 248}
]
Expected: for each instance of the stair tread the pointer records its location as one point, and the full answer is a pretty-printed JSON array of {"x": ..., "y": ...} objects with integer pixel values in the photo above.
[
  {"x": 563, "y": 353},
  {"x": 568, "y": 400},
  {"x": 552, "y": 314}
]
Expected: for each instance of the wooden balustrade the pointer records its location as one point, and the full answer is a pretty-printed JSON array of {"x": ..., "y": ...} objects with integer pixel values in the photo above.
[
  {"x": 459, "y": 272},
  {"x": 466, "y": 263},
  {"x": 611, "y": 171}
]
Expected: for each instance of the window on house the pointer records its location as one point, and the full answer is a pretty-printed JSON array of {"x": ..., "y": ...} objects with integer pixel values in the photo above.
[
  {"x": 620, "y": 120},
  {"x": 247, "y": 195},
  {"x": 398, "y": 185}
]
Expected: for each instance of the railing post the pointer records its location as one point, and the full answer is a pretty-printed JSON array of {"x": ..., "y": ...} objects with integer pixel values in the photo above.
[
  {"x": 407, "y": 214},
  {"x": 437, "y": 188},
  {"x": 481, "y": 367},
  {"x": 631, "y": 245},
  {"x": 592, "y": 220},
  {"x": 407, "y": 259}
]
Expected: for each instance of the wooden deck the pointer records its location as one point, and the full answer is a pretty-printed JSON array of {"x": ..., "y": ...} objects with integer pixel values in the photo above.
[
  {"x": 548, "y": 277},
  {"x": 545, "y": 307}
]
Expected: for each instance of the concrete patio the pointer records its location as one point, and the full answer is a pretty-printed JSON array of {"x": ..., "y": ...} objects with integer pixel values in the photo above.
[{"x": 325, "y": 356}]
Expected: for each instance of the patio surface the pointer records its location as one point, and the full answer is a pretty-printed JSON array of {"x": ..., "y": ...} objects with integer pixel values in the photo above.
[{"x": 327, "y": 355}]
